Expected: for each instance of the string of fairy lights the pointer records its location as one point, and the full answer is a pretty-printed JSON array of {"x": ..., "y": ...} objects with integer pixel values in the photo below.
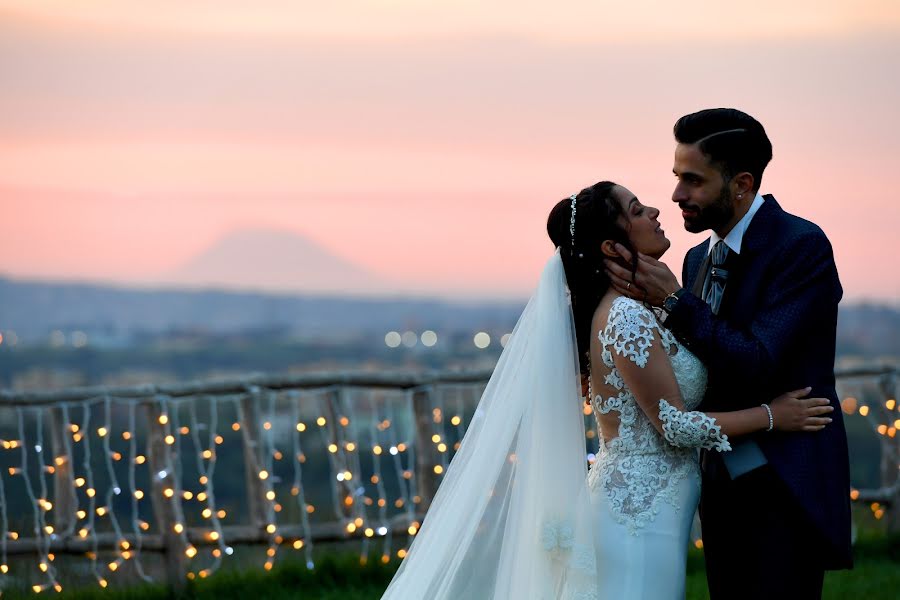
[
  {"x": 366, "y": 443},
  {"x": 137, "y": 525},
  {"x": 367, "y": 438},
  {"x": 883, "y": 416},
  {"x": 297, "y": 488}
]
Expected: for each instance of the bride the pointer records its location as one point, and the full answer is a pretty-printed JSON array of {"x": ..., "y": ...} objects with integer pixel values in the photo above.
[{"x": 517, "y": 514}]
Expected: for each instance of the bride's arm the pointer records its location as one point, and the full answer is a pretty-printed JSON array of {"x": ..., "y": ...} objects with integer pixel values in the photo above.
[
  {"x": 646, "y": 369},
  {"x": 803, "y": 291}
]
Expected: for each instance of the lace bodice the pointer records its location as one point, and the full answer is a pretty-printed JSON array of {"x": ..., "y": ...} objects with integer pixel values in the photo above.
[{"x": 640, "y": 467}]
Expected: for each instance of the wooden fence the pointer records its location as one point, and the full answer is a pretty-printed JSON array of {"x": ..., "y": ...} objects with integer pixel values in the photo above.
[{"x": 111, "y": 474}]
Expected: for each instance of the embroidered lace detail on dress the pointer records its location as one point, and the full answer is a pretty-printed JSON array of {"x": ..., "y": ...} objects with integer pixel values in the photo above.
[
  {"x": 638, "y": 469},
  {"x": 558, "y": 539},
  {"x": 557, "y": 536},
  {"x": 691, "y": 429}
]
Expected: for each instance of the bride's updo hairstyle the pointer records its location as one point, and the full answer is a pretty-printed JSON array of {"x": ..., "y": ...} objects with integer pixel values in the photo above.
[{"x": 597, "y": 219}]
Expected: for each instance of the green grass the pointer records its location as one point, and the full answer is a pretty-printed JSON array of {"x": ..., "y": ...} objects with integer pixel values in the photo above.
[
  {"x": 872, "y": 578},
  {"x": 339, "y": 576}
]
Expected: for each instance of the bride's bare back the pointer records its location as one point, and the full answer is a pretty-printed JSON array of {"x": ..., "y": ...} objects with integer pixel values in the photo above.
[{"x": 609, "y": 422}]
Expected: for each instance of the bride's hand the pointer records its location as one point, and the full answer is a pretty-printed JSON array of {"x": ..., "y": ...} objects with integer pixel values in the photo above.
[{"x": 794, "y": 412}]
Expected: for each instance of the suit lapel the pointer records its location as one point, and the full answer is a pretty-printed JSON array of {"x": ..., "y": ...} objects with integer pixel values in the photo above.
[
  {"x": 738, "y": 299},
  {"x": 694, "y": 265},
  {"x": 700, "y": 276}
]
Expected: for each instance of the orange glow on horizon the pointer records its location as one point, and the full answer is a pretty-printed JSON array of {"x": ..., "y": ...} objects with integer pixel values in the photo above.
[{"x": 423, "y": 143}]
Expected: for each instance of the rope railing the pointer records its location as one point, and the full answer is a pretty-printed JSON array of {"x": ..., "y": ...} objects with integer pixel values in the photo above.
[{"x": 186, "y": 472}]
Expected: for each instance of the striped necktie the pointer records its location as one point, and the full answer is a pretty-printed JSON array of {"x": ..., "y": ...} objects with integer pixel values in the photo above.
[{"x": 717, "y": 277}]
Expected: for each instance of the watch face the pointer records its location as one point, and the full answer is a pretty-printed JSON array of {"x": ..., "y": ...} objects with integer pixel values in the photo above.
[{"x": 670, "y": 302}]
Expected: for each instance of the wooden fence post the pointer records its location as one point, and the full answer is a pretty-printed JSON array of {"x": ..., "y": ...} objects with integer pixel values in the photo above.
[
  {"x": 426, "y": 457},
  {"x": 166, "y": 504},
  {"x": 253, "y": 460},
  {"x": 333, "y": 415},
  {"x": 890, "y": 457},
  {"x": 65, "y": 502}
]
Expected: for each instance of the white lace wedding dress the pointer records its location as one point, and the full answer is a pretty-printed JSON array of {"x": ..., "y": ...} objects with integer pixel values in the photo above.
[
  {"x": 517, "y": 515},
  {"x": 645, "y": 482}
]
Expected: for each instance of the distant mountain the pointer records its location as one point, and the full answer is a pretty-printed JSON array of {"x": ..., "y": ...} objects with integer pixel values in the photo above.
[{"x": 271, "y": 260}]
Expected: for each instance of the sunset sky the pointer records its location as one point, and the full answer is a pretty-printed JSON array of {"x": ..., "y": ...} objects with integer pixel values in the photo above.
[{"x": 424, "y": 141}]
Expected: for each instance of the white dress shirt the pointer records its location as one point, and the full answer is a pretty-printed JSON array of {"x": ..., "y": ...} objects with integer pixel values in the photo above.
[{"x": 736, "y": 236}]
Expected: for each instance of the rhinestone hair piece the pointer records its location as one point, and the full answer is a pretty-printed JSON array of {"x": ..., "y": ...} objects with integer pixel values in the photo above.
[{"x": 573, "y": 198}]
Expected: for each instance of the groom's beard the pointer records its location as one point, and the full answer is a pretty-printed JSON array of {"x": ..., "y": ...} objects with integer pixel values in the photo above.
[{"x": 718, "y": 213}]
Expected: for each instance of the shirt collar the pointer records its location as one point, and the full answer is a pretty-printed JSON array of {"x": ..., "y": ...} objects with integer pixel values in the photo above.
[{"x": 735, "y": 237}]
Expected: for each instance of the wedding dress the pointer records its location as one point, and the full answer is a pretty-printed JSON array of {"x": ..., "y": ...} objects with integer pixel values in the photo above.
[
  {"x": 645, "y": 481},
  {"x": 518, "y": 516}
]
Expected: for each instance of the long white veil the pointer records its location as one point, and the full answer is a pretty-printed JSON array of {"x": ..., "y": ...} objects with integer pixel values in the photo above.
[{"x": 511, "y": 518}]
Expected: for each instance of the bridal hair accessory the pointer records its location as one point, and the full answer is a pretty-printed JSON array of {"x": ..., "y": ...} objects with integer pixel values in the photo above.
[{"x": 573, "y": 198}]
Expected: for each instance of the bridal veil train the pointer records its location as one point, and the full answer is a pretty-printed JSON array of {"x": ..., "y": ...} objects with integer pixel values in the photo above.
[{"x": 512, "y": 516}]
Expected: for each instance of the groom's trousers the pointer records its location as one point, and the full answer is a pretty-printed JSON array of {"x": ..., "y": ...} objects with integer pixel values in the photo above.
[{"x": 758, "y": 543}]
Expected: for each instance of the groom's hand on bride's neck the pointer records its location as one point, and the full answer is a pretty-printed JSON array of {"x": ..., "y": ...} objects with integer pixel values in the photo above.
[{"x": 652, "y": 282}]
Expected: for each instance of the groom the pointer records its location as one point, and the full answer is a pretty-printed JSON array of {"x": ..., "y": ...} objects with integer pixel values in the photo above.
[{"x": 759, "y": 308}]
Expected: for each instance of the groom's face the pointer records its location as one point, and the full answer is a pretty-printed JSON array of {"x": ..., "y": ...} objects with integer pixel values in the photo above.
[{"x": 701, "y": 192}]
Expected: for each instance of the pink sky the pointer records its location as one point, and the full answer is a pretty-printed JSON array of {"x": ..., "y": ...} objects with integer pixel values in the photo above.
[{"x": 424, "y": 141}]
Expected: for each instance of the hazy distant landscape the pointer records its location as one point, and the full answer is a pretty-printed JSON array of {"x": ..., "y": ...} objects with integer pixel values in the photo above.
[
  {"x": 80, "y": 334},
  {"x": 93, "y": 332},
  {"x": 64, "y": 335}
]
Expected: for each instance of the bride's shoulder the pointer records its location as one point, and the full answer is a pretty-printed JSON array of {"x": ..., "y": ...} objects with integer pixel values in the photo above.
[
  {"x": 628, "y": 317},
  {"x": 631, "y": 328},
  {"x": 623, "y": 307}
]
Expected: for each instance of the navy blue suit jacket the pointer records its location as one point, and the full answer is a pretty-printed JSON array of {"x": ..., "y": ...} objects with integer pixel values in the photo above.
[{"x": 775, "y": 332}]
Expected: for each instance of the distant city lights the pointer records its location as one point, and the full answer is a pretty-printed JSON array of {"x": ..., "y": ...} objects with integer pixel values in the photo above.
[
  {"x": 57, "y": 338},
  {"x": 409, "y": 339},
  {"x": 392, "y": 339},
  {"x": 482, "y": 340},
  {"x": 429, "y": 339}
]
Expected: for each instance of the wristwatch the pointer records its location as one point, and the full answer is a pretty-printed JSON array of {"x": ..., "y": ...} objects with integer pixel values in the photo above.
[{"x": 672, "y": 299}]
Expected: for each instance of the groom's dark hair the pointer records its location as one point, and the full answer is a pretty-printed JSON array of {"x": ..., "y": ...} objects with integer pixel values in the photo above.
[{"x": 733, "y": 141}]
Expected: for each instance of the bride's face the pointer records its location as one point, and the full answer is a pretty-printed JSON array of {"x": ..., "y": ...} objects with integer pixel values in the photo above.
[{"x": 644, "y": 231}]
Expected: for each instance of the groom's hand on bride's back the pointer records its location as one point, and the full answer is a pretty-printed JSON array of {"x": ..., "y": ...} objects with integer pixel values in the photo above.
[
  {"x": 651, "y": 282},
  {"x": 793, "y": 411}
]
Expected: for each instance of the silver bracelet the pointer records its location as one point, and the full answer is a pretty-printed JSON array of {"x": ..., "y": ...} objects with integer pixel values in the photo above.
[{"x": 771, "y": 420}]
